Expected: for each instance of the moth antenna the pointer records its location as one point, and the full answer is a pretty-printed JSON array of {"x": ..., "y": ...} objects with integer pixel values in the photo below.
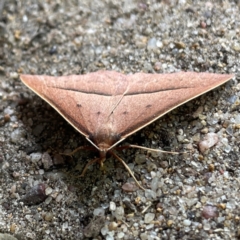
[
  {"x": 128, "y": 169},
  {"x": 154, "y": 150}
]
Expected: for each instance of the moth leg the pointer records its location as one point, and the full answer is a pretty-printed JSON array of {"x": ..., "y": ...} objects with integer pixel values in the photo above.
[
  {"x": 87, "y": 165},
  {"x": 78, "y": 149},
  {"x": 128, "y": 169}
]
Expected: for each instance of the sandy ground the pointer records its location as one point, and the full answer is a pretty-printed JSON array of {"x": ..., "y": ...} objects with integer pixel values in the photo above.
[{"x": 188, "y": 196}]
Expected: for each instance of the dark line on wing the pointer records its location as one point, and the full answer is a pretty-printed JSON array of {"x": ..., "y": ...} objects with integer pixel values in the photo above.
[{"x": 128, "y": 94}]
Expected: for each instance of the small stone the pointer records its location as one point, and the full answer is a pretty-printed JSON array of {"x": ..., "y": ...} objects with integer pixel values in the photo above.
[
  {"x": 59, "y": 197},
  {"x": 144, "y": 236},
  {"x": 148, "y": 218},
  {"x": 128, "y": 204},
  {"x": 209, "y": 211},
  {"x": 157, "y": 66},
  {"x": 119, "y": 213},
  {"x": 204, "y": 130},
  {"x": 47, "y": 161},
  {"x": 130, "y": 187},
  {"x": 17, "y": 135},
  {"x": 150, "y": 194},
  {"x": 154, "y": 184},
  {"x": 209, "y": 140},
  {"x": 140, "y": 159},
  {"x": 112, "y": 206},
  {"x": 187, "y": 222},
  {"x": 149, "y": 226},
  {"x": 151, "y": 167},
  {"x": 35, "y": 157},
  {"x": 94, "y": 227},
  {"x": 13, "y": 75},
  {"x": 169, "y": 223},
  {"x": 35, "y": 195},
  {"x": 180, "y": 45},
  {"x": 120, "y": 235},
  {"x": 198, "y": 112},
  {"x": 222, "y": 206},
  {"x": 112, "y": 226},
  {"x": 98, "y": 212},
  {"x": 104, "y": 230},
  {"x": 152, "y": 44},
  {"x": 48, "y": 190},
  {"x": 211, "y": 167},
  {"x": 164, "y": 164},
  {"x": 48, "y": 217}
]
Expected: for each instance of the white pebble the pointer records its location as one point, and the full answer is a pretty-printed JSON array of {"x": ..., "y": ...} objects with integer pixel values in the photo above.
[
  {"x": 112, "y": 206},
  {"x": 210, "y": 140},
  {"x": 35, "y": 157},
  {"x": 120, "y": 235},
  {"x": 187, "y": 222},
  {"x": 48, "y": 191},
  {"x": 149, "y": 217}
]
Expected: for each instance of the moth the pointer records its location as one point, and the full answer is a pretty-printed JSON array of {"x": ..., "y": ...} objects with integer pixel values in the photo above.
[{"x": 107, "y": 106}]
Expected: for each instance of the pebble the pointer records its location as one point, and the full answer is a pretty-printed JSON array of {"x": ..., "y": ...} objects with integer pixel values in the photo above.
[
  {"x": 119, "y": 213},
  {"x": 112, "y": 206},
  {"x": 120, "y": 235},
  {"x": 98, "y": 212},
  {"x": 94, "y": 227},
  {"x": 48, "y": 217},
  {"x": 130, "y": 187},
  {"x": 48, "y": 190},
  {"x": 35, "y": 157},
  {"x": 35, "y": 195},
  {"x": 13, "y": 75},
  {"x": 47, "y": 161},
  {"x": 17, "y": 135},
  {"x": 154, "y": 184},
  {"x": 148, "y": 218},
  {"x": 112, "y": 226},
  {"x": 187, "y": 222},
  {"x": 150, "y": 194},
  {"x": 140, "y": 159},
  {"x": 152, "y": 44},
  {"x": 59, "y": 197},
  {"x": 209, "y": 141},
  {"x": 209, "y": 212},
  {"x": 128, "y": 204}
]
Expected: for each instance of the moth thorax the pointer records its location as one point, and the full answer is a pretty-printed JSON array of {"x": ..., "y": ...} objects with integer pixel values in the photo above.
[
  {"x": 104, "y": 139},
  {"x": 103, "y": 147}
]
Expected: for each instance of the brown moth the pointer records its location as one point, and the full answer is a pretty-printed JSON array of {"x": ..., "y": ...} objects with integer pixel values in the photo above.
[{"x": 107, "y": 107}]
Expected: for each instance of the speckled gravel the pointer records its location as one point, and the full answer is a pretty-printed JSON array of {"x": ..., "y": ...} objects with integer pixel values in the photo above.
[{"x": 194, "y": 195}]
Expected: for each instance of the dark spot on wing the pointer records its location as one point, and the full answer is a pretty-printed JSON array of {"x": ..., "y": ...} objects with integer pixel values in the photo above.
[
  {"x": 125, "y": 113},
  {"x": 98, "y": 113},
  {"x": 79, "y": 105},
  {"x": 148, "y": 106}
]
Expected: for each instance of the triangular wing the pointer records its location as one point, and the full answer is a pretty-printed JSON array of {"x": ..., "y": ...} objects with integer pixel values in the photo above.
[{"x": 107, "y": 106}]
